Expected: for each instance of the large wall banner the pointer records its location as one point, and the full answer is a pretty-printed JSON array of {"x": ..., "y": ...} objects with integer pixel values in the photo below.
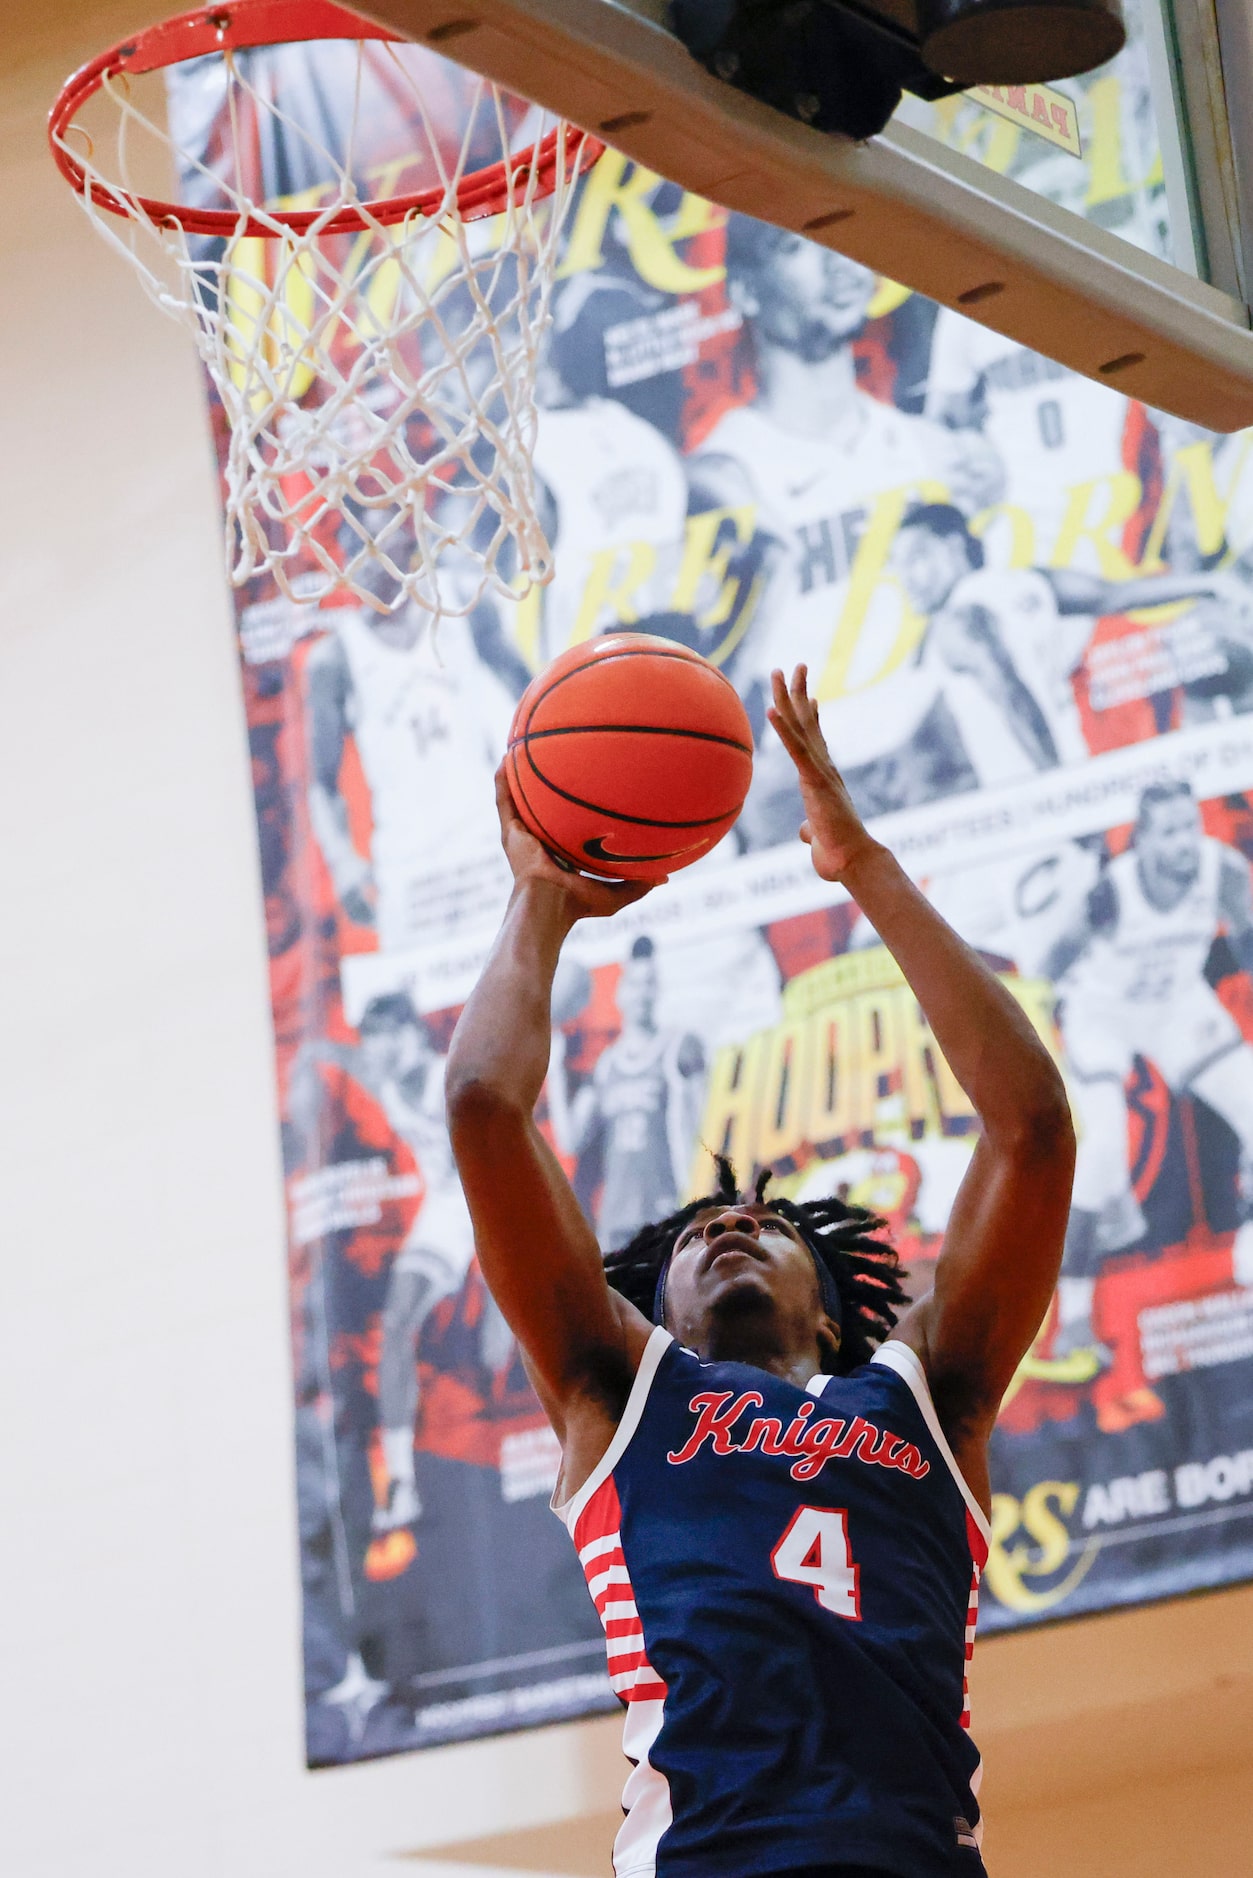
[{"x": 1027, "y": 608}]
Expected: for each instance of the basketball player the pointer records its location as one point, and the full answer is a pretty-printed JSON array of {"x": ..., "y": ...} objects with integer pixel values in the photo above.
[
  {"x": 816, "y": 456},
  {"x": 1011, "y": 638},
  {"x": 641, "y": 1108},
  {"x": 1052, "y": 429},
  {"x": 429, "y": 718},
  {"x": 397, "y": 1062},
  {"x": 788, "y": 1595},
  {"x": 1131, "y": 970}
]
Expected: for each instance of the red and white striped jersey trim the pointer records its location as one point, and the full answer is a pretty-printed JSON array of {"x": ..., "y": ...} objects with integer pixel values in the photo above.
[
  {"x": 598, "y": 1541},
  {"x": 979, "y": 1558}
]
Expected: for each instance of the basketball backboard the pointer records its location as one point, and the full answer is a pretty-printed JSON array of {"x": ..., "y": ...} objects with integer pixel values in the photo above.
[{"x": 1170, "y": 327}]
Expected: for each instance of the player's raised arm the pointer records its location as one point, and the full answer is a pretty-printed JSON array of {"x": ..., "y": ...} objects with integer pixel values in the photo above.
[
  {"x": 538, "y": 1253},
  {"x": 1003, "y": 1246}
]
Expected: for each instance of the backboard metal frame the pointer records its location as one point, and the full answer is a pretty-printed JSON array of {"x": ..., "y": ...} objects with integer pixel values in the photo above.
[{"x": 903, "y": 204}]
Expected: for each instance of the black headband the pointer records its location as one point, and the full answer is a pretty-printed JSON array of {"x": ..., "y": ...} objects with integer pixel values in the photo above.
[{"x": 828, "y": 1290}]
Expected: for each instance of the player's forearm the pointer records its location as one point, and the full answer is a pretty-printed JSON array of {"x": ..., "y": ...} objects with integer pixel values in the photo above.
[
  {"x": 503, "y": 1041},
  {"x": 987, "y": 1040},
  {"x": 1130, "y": 596}
]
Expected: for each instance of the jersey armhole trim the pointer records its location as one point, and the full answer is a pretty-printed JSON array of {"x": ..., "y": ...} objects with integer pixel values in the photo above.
[
  {"x": 568, "y": 1510},
  {"x": 898, "y": 1356}
]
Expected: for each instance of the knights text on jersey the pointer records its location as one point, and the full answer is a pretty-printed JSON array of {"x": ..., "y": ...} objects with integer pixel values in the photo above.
[{"x": 788, "y": 1581}]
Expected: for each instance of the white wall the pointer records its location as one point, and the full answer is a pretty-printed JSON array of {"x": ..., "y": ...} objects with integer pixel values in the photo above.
[
  {"x": 150, "y": 1673},
  {"x": 150, "y": 1714}
]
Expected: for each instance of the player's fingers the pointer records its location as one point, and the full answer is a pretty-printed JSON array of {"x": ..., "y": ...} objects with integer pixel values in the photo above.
[
  {"x": 806, "y": 833},
  {"x": 609, "y": 896},
  {"x": 787, "y": 730},
  {"x": 636, "y": 889},
  {"x": 779, "y": 692},
  {"x": 505, "y": 806}
]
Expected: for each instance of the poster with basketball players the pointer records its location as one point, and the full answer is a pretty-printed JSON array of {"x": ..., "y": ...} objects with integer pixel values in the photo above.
[{"x": 1026, "y": 605}]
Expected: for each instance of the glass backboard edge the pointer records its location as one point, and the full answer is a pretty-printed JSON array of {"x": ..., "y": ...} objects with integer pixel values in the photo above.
[{"x": 901, "y": 203}]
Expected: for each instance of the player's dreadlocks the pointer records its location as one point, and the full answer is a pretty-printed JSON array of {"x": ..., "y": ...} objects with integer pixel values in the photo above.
[{"x": 865, "y": 1269}]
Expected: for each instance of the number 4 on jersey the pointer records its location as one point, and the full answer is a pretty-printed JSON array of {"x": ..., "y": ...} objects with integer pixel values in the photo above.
[{"x": 815, "y": 1551}]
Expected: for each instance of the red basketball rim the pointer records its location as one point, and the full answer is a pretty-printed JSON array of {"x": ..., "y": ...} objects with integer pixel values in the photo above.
[{"x": 276, "y": 22}]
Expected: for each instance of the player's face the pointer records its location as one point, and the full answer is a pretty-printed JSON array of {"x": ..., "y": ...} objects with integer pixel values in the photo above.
[
  {"x": 744, "y": 1277},
  {"x": 928, "y": 566},
  {"x": 378, "y": 1054},
  {"x": 810, "y": 301},
  {"x": 1170, "y": 839},
  {"x": 412, "y": 1049},
  {"x": 637, "y": 991}
]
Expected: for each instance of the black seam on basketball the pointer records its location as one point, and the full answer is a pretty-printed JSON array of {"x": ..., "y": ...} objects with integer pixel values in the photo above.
[
  {"x": 631, "y": 652},
  {"x": 617, "y": 815},
  {"x": 589, "y": 847},
  {"x": 634, "y": 730},
  {"x": 525, "y": 800}
]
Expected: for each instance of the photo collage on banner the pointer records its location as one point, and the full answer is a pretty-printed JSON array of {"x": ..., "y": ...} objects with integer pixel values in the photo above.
[{"x": 1026, "y": 605}]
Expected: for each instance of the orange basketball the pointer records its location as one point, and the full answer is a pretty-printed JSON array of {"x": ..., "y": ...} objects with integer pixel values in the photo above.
[{"x": 629, "y": 756}]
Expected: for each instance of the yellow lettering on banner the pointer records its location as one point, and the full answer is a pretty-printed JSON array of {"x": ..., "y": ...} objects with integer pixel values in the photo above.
[
  {"x": 1191, "y": 469},
  {"x": 833, "y": 1077},
  {"x": 615, "y": 184},
  {"x": 869, "y": 568},
  {"x": 1042, "y": 1515},
  {"x": 782, "y": 1120},
  {"x": 702, "y": 564},
  {"x": 1122, "y": 493},
  {"x": 526, "y": 625},
  {"x": 246, "y": 297},
  {"x": 888, "y": 295},
  {"x": 728, "y": 1121},
  {"x": 998, "y": 135},
  {"x": 852, "y": 1060},
  {"x": 1107, "y": 180},
  {"x": 878, "y": 1052},
  {"x": 1022, "y": 549},
  {"x": 269, "y": 318},
  {"x": 610, "y": 586}
]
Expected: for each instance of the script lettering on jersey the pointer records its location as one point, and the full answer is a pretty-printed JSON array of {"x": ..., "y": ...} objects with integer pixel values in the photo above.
[{"x": 812, "y": 1443}]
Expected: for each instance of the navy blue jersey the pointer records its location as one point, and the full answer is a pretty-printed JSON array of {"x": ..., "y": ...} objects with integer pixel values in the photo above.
[{"x": 788, "y": 1581}]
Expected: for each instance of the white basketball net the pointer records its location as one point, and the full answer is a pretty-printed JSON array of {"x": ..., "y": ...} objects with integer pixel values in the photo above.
[{"x": 379, "y": 386}]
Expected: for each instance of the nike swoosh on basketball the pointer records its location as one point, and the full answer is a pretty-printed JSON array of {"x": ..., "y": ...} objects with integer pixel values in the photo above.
[{"x": 596, "y": 850}]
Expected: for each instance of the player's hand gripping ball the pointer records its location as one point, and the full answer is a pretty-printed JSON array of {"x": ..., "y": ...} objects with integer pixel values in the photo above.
[{"x": 629, "y": 757}]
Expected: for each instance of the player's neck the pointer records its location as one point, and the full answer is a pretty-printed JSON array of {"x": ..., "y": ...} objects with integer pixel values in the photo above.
[
  {"x": 819, "y": 401},
  {"x": 747, "y": 1343}
]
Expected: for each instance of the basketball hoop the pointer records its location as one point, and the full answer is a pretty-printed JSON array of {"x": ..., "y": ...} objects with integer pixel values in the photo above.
[{"x": 372, "y": 326}]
